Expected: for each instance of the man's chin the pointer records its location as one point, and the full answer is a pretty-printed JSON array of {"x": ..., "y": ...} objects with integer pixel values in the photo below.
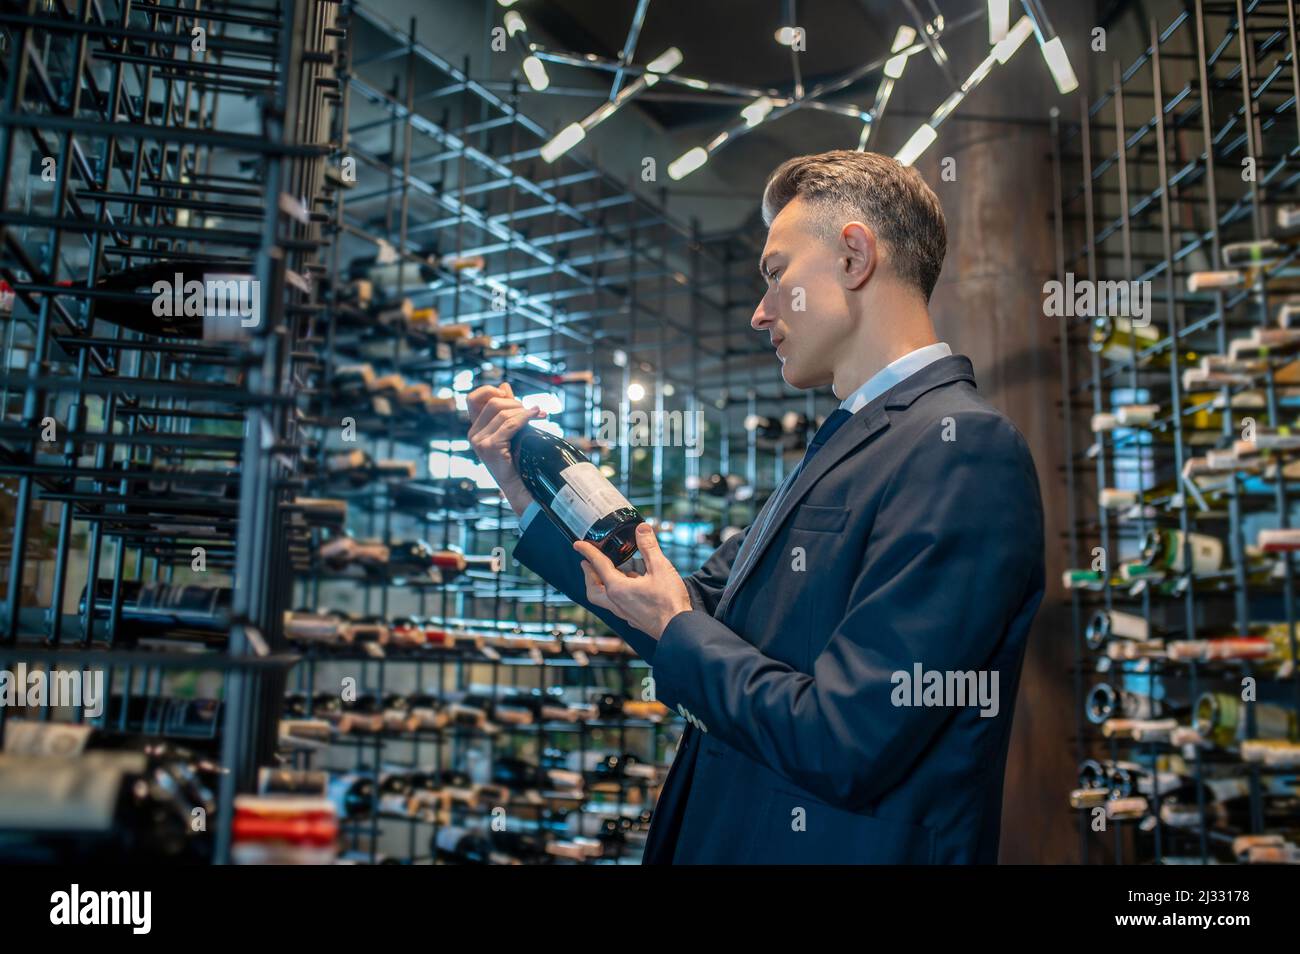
[{"x": 797, "y": 379}]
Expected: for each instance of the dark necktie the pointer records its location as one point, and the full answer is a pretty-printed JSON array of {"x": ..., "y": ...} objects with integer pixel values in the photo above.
[{"x": 829, "y": 426}]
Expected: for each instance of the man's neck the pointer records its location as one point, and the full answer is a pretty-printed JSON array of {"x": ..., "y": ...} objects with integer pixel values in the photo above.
[
  {"x": 861, "y": 365},
  {"x": 891, "y": 322}
]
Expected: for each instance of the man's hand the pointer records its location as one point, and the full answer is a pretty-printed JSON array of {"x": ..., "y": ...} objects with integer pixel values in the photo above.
[
  {"x": 498, "y": 415},
  {"x": 648, "y": 601}
]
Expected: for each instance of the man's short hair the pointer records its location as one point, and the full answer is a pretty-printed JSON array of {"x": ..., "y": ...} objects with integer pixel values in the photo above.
[{"x": 843, "y": 185}]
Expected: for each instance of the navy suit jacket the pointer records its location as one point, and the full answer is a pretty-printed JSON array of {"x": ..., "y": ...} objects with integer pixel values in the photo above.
[{"x": 913, "y": 537}]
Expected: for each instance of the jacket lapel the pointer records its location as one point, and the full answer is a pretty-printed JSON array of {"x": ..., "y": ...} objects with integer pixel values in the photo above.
[
  {"x": 861, "y": 428},
  {"x": 865, "y": 424}
]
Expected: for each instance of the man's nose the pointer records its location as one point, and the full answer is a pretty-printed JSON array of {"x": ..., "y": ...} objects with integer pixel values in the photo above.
[{"x": 763, "y": 317}]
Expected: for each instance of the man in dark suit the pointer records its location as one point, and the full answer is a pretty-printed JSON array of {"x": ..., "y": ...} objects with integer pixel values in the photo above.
[{"x": 848, "y": 665}]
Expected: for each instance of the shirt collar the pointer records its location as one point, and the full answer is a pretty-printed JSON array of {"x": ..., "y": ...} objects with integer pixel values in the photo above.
[{"x": 894, "y": 373}]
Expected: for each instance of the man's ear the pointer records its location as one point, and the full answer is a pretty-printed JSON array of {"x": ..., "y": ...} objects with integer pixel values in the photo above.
[{"x": 858, "y": 254}]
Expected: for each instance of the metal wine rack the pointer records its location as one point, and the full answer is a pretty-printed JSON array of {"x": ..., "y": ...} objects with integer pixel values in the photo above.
[
  {"x": 582, "y": 273},
  {"x": 133, "y": 134},
  {"x": 1192, "y": 146},
  {"x": 285, "y": 140}
]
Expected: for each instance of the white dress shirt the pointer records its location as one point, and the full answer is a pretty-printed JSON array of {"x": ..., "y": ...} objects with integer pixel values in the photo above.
[{"x": 893, "y": 373}]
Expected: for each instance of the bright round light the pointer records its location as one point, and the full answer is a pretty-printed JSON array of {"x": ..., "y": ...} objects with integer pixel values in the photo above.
[{"x": 635, "y": 391}]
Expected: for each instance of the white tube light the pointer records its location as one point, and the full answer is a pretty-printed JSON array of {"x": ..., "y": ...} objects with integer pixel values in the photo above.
[
  {"x": 687, "y": 163},
  {"x": 1015, "y": 37},
  {"x": 564, "y": 140},
  {"x": 999, "y": 20},
  {"x": 665, "y": 62},
  {"x": 757, "y": 111},
  {"x": 535, "y": 73},
  {"x": 921, "y": 141},
  {"x": 923, "y": 138},
  {"x": 1054, "y": 53},
  {"x": 514, "y": 23},
  {"x": 895, "y": 65}
]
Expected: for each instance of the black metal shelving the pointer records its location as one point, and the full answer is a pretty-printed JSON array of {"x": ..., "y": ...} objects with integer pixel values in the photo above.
[
  {"x": 138, "y": 134},
  {"x": 584, "y": 288},
  {"x": 169, "y": 487},
  {"x": 1193, "y": 146}
]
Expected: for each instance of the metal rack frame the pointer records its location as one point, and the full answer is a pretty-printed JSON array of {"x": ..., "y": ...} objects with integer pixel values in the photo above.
[{"x": 1140, "y": 214}]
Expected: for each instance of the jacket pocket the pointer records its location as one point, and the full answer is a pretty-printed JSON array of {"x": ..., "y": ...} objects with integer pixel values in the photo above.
[
  {"x": 802, "y": 830},
  {"x": 821, "y": 519}
]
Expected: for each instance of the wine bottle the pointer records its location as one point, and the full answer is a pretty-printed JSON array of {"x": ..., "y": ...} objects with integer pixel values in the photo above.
[
  {"x": 718, "y": 485},
  {"x": 162, "y": 609},
  {"x": 574, "y": 494},
  {"x": 1105, "y": 702},
  {"x": 179, "y": 311},
  {"x": 397, "y": 713},
  {"x": 351, "y": 795},
  {"x": 458, "y": 845},
  {"x": 386, "y": 275},
  {"x": 1221, "y": 718},
  {"x": 1164, "y": 550},
  {"x": 452, "y": 494},
  {"x": 396, "y": 794},
  {"x": 1265, "y": 642},
  {"x": 364, "y": 714},
  {"x": 1118, "y": 339},
  {"x": 427, "y": 711},
  {"x": 328, "y": 629},
  {"x": 1114, "y": 624},
  {"x": 1252, "y": 254},
  {"x": 1279, "y": 753},
  {"x": 764, "y": 428}
]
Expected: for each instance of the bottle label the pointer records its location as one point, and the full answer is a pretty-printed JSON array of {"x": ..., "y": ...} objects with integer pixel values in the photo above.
[{"x": 585, "y": 498}]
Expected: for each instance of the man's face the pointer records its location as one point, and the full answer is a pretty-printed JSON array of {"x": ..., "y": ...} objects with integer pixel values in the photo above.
[{"x": 804, "y": 310}]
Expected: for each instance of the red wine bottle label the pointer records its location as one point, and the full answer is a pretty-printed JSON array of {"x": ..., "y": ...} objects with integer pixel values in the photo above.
[{"x": 585, "y": 498}]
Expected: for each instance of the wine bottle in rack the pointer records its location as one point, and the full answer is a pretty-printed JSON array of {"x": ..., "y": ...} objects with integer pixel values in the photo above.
[
  {"x": 719, "y": 485},
  {"x": 388, "y": 275},
  {"x": 1106, "y": 702},
  {"x": 454, "y": 494},
  {"x": 575, "y": 494},
  {"x": 1164, "y": 550},
  {"x": 170, "y": 311},
  {"x": 1119, "y": 339},
  {"x": 459, "y": 845},
  {"x": 1115, "y": 624},
  {"x": 352, "y": 795},
  {"x": 396, "y": 794},
  {"x": 1268, "y": 643},
  {"x": 1221, "y": 717}
]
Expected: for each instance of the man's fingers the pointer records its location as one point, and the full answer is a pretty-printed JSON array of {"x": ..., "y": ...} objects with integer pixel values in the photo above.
[
  {"x": 595, "y": 588},
  {"x": 507, "y": 422},
  {"x": 491, "y": 415},
  {"x": 648, "y": 544},
  {"x": 476, "y": 399},
  {"x": 599, "y": 562},
  {"x": 487, "y": 412}
]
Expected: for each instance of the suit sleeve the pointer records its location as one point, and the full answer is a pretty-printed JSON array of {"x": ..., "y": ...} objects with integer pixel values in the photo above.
[
  {"x": 954, "y": 554},
  {"x": 546, "y": 551}
]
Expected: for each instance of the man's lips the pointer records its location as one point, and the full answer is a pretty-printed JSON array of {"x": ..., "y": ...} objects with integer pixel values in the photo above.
[{"x": 776, "y": 344}]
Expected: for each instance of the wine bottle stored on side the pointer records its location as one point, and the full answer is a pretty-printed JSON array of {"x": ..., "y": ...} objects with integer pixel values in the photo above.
[{"x": 574, "y": 494}]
